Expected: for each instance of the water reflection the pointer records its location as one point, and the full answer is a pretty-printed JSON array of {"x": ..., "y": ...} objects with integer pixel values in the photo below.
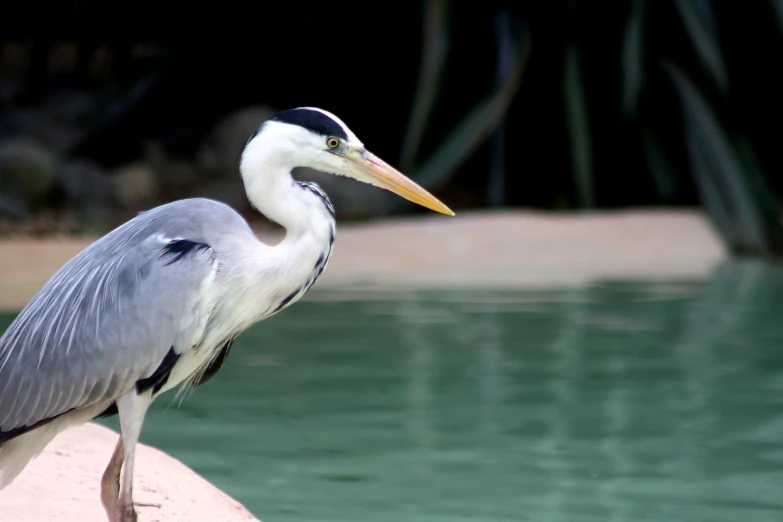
[{"x": 621, "y": 402}]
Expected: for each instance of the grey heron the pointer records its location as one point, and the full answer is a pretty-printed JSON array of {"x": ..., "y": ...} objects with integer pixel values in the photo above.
[{"x": 158, "y": 301}]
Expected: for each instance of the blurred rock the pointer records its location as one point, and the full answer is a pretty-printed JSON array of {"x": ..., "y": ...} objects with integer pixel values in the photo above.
[
  {"x": 220, "y": 151},
  {"x": 28, "y": 172},
  {"x": 181, "y": 142},
  {"x": 175, "y": 176},
  {"x": 229, "y": 191},
  {"x": 58, "y": 124},
  {"x": 11, "y": 208},
  {"x": 73, "y": 107},
  {"x": 87, "y": 187},
  {"x": 135, "y": 185},
  {"x": 8, "y": 89},
  {"x": 219, "y": 154}
]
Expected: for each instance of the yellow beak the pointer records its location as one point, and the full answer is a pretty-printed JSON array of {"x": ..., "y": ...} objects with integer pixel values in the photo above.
[{"x": 385, "y": 176}]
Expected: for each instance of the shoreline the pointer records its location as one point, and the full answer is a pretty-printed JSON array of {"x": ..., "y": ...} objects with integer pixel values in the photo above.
[
  {"x": 492, "y": 250},
  {"x": 501, "y": 250}
]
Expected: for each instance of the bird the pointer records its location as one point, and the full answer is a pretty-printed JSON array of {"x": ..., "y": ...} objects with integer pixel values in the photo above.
[{"x": 157, "y": 302}]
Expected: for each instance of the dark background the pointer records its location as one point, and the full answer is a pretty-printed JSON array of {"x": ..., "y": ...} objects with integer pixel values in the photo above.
[{"x": 168, "y": 72}]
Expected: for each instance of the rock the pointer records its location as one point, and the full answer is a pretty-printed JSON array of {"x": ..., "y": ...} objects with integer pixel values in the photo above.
[
  {"x": 58, "y": 124},
  {"x": 175, "y": 176},
  {"x": 135, "y": 185},
  {"x": 219, "y": 153},
  {"x": 11, "y": 208},
  {"x": 28, "y": 173},
  {"x": 229, "y": 191},
  {"x": 8, "y": 90},
  {"x": 62, "y": 484},
  {"x": 72, "y": 107},
  {"x": 87, "y": 187}
]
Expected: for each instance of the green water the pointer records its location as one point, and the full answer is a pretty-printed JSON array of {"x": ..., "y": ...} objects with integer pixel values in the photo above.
[{"x": 619, "y": 402}]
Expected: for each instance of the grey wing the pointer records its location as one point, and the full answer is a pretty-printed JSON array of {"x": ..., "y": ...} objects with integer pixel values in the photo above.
[{"x": 104, "y": 321}]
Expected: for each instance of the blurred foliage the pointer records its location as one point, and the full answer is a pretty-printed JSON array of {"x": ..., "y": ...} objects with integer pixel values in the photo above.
[
  {"x": 567, "y": 104},
  {"x": 435, "y": 171},
  {"x": 732, "y": 187},
  {"x": 578, "y": 128},
  {"x": 720, "y": 156}
]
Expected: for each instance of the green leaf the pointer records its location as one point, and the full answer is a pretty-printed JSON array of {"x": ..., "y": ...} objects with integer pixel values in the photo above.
[
  {"x": 662, "y": 171},
  {"x": 707, "y": 183},
  {"x": 475, "y": 127},
  {"x": 777, "y": 5},
  {"x": 702, "y": 33},
  {"x": 578, "y": 128},
  {"x": 633, "y": 57},
  {"x": 720, "y": 171},
  {"x": 769, "y": 207},
  {"x": 435, "y": 44}
]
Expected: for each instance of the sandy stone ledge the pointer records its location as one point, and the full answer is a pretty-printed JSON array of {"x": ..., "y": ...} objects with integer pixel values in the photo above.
[
  {"x": 509, "y": 250},
  {"x": 63, "y": 483}
]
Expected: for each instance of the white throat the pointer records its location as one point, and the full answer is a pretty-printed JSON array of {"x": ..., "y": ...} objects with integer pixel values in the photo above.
[
  {"x": 296, "y": 262},
  {"x": 266, "y": 168}
]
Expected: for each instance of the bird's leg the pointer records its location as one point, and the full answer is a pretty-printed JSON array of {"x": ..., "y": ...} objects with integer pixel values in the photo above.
[
  {"x": 110, "y": 482},
  {"x": 132, "y": 408},
  {"x": 127, "y": 511}
]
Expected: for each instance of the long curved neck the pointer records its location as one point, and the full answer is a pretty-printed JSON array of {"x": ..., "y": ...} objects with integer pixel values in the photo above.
[{"x": 271, "y": 189}]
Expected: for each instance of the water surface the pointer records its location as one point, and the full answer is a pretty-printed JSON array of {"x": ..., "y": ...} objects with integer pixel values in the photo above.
[{"x": 623, "y": 401}]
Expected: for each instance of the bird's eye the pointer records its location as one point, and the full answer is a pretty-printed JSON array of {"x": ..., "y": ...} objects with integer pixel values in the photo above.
[{"x": 332, "y": 143}]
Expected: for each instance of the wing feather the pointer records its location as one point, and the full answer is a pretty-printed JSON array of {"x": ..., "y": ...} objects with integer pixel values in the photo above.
[{"x": 104, "y": 321}]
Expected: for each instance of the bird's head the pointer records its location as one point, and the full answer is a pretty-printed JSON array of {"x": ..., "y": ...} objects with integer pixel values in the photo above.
[{"x": 315, "y": 138}]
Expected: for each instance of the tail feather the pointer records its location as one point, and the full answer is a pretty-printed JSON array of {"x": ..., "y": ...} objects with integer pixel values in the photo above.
[{"x": 16, "y": 453}]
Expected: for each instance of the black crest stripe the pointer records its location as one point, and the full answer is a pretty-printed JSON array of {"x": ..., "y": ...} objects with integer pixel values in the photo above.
[{"x": 315, "y": 121}]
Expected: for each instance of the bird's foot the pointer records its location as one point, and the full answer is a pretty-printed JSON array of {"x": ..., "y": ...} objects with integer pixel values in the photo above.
[{"x": 128, "y": 514}]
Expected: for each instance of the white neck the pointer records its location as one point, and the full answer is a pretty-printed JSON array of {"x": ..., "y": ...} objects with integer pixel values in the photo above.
[
  {"x": 280, "y": 274},
  {"x": 269, "y": 278},
  {"x": 266, "y": 172}
]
